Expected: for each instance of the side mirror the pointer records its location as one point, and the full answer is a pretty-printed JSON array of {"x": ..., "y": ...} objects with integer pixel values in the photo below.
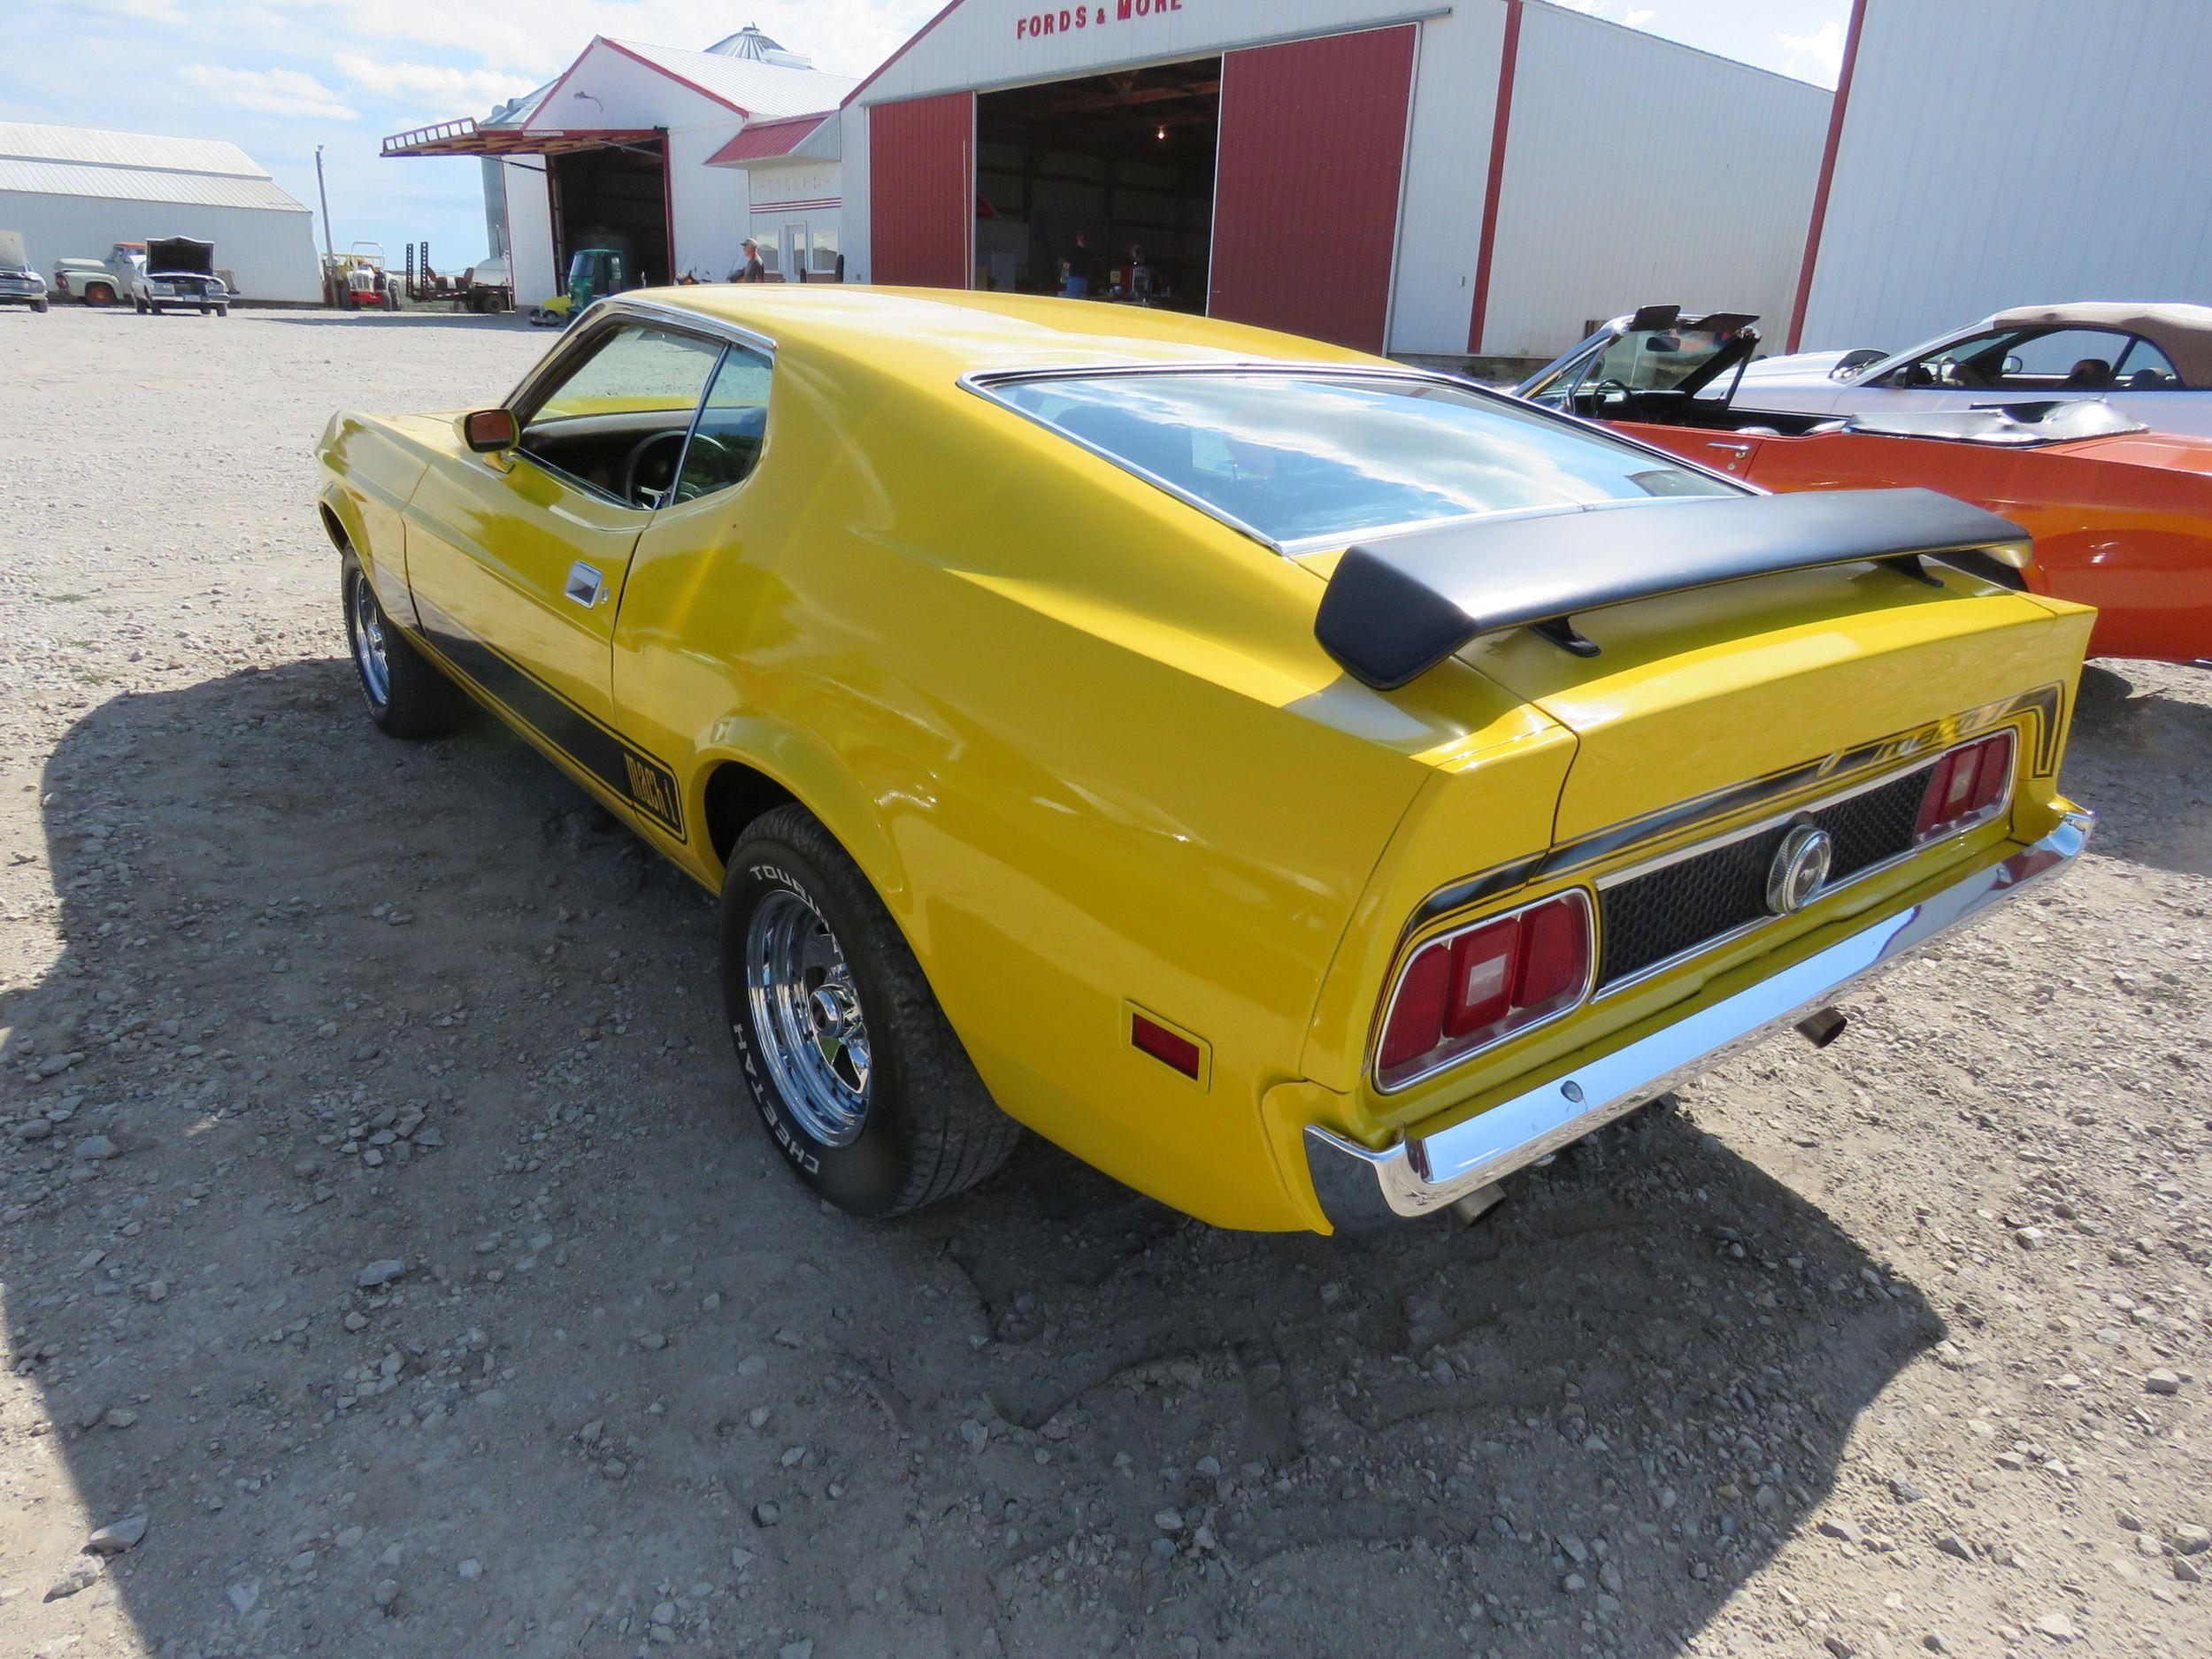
[{"x": 487, "y": 431}]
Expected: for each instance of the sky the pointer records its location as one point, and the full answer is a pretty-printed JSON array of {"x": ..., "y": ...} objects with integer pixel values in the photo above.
[{"x": 279, "y": 77}]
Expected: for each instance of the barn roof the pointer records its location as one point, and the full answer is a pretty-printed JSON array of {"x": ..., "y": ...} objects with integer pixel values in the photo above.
[{"x": 46, "y": 160}]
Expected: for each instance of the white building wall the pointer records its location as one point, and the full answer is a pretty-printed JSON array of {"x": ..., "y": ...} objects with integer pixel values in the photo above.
[
  {"x": 1446, "y": 173},
  {"x": 530, "y": 231},
  {"x": 1641, "y": 171},
  {"x": 712, "y": 206},
  {"x": 2008, "y": 152},
  {"x": 272, "y": 251}
]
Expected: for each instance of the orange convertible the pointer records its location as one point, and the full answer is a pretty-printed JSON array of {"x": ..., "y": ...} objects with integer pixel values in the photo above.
[{"x": 2122, "y": 516}]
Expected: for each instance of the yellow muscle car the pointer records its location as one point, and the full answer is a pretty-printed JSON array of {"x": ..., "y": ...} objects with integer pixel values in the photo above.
[{"x": 1306, "y": 787}]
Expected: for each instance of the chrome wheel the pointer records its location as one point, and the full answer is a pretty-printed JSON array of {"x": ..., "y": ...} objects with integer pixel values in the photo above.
[
  {"x": 807, "y": 1015},
  {"x": 366, "y": 620}
]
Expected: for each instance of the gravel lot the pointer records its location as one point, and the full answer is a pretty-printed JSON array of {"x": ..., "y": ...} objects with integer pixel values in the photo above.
[{"x": 379, "y": 1223}]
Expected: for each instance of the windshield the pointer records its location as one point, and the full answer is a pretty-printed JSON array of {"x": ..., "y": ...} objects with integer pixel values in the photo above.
[{"x": 1308, "y": 459}]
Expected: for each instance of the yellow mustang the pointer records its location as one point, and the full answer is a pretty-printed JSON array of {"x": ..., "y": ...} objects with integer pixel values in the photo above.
[{"x": 1308, "y": 789}]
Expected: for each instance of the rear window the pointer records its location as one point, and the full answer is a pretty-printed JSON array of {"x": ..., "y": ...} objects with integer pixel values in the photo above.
[{"x": 1312, "y": 460}]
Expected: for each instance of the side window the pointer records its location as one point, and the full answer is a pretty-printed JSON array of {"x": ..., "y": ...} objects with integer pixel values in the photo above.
[
  {"x": 615, "y": 419},
  {"x": 2064, "y": 359},
  {"x": 725, "y": 446},
  {"x": 2143, "y": 367},
  {"x": 1973, "y": 363}
]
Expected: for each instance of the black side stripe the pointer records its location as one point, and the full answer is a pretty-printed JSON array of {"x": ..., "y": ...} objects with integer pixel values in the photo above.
[{"x": 592, "y": 745}]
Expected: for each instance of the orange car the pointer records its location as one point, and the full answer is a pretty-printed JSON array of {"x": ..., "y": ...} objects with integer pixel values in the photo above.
[{"x": 2122, "y": 516}]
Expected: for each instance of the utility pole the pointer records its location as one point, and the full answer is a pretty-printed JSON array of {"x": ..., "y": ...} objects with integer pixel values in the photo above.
[
  {"x": 330, "y": 257},
  {"x": 323, "y": 191}
]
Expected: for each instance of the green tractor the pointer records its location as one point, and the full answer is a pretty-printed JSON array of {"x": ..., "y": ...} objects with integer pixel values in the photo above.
[{"x": 593, "y": 273}]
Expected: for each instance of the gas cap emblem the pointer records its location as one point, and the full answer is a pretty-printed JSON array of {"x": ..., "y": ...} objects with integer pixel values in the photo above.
[{"x": 1800, "y": 868}]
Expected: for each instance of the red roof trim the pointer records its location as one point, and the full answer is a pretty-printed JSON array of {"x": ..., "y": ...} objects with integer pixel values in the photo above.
[
  {"x": 546, "y": 104},
  {"x": 912, "y": 41},
  {"x": 662, "y": 69},
  {"x": 1827, "y": 173},
  {"x": 762, "y": 141},
  {"x": 1501, "y": 123}
]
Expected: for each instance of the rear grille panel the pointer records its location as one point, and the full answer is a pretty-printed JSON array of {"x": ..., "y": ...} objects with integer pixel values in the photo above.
[{"x": 1651, "y": 918}]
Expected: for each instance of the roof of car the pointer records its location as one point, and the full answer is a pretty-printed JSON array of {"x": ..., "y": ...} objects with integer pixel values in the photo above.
[
  {"x": 947, "y": 332},
  {"x": 2184, "y": 333}
]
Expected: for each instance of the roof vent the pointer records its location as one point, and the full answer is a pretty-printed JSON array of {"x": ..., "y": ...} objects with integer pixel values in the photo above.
[{"x": 751, "y": 44}]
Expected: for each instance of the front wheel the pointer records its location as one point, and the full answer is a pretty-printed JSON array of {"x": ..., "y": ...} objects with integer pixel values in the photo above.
[
  {"x": 857, "y": 1074},
  {"x": 39, "y": 305},
  {"x": 407, "y": 697}
]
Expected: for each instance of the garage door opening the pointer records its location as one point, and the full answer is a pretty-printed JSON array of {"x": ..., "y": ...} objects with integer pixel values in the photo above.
[
  {"x": 614, "y": 195},
  {"x": 1127, "y": 159}
]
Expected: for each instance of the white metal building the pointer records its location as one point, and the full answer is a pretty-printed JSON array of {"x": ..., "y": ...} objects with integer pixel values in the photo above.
[
  {"x": 73, "y": 192},
  {"x": 1995, "y": 153},
  {"x": 1454, "y": 177},
  {"x": 628, "y": 148}
]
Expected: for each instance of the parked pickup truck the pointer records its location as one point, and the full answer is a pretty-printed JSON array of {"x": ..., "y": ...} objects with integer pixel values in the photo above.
[
  {"x": 20, "y": 284},
  {"x": 100, "y": 281},
  {"x": 179, "y": 272}
]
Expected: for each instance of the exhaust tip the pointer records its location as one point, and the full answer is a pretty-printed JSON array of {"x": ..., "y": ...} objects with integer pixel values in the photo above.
[{"x": 1823, "y": 1027}]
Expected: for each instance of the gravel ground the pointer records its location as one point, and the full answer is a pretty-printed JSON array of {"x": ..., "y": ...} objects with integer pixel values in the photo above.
[{"x": 385, "y": 1256}]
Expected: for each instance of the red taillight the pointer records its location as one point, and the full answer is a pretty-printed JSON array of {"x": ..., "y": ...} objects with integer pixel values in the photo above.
[
  {"x": 1966, "y": 787},
  {"x": 1169, "y": 1047},
  {"x": 1474, "y": 988}
]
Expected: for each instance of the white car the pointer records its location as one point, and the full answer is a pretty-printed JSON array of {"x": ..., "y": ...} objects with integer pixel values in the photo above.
[
  {"x": 2153, "y": 362},
  {"x": 178, "y": 273}
]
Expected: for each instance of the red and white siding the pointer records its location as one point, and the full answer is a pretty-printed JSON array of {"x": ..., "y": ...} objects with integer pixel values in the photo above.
[{"x": 1356, "y": 152}]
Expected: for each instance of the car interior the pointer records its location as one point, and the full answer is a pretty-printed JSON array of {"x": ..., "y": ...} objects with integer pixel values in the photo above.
[
  {"x": 640, "y": 405},
  {"x": 2041, "y": 360}
]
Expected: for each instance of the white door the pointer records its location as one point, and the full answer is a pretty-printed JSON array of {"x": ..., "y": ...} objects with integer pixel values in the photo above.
[{"x": 795, "y": 246}]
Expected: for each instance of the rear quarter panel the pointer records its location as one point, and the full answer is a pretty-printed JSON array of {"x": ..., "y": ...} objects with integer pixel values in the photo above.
[{"x": 1079, "y": 736}]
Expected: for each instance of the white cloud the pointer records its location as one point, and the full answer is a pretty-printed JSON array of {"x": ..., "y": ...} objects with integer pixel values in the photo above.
[
  {"x": 1821, "y": 52},
  {"x": 439, "y": 86},
  {"x": 1636, "y": 18},
  {"x": 271, "y": 91}
]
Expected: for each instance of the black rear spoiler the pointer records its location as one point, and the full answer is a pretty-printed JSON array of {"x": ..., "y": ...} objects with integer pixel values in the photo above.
[{"x": 1397, "y": 607}]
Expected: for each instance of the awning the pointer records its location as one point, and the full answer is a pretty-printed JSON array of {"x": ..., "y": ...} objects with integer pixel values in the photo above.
[
  {"x": 464, "y": 137},
  {"x": 764, "y": 140}
]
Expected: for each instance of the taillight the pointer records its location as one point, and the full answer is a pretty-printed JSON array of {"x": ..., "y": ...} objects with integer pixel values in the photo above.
[
  {"x": 1966, "y": 788},
  {"x": 1483, "y": 984}
]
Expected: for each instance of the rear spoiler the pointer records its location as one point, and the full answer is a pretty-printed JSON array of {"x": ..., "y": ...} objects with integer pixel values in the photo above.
[{"x": 1396, "y": 608}]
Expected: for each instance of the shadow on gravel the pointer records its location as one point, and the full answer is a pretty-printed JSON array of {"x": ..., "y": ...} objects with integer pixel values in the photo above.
[
  {"x": 2139, "y": 759},
  {"x": 342, "y": 1003}
]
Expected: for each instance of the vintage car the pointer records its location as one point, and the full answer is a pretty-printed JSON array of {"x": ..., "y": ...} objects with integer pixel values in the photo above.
[
  {"x": 20, "y": 284},
  {"x": 1308, "y": 789},
  {"x": 179, "y": 274},
  {"x": 2122, "y": 517},
  {"x": 2153, "y": 362}
]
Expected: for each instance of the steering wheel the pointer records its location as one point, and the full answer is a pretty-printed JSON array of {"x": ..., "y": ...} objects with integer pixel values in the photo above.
[
  {"x": 1590, "y": 395},
  {"x": 632, "y": 467}
]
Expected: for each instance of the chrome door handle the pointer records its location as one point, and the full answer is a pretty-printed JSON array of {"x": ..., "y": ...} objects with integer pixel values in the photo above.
[
  {"x": 1733, "y": 449},
  {"x": 585, "y": 585}
]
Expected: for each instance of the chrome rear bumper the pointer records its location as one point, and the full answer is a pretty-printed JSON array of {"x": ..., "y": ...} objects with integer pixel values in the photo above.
[{"x": 1361, "y": 1189}]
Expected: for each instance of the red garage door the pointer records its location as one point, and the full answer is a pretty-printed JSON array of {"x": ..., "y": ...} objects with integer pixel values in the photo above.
[
  {"x": 921, "y": 190},
  {"x": 1313, "y": 139}
]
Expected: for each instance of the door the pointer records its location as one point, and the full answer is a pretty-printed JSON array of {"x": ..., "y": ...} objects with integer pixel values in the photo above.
[
  {"x": 921, "y": 190},
  {"x": 1312, "y": 145},
  {"x": 793, "y": 241},
  {"x": 517, "y": 560}
]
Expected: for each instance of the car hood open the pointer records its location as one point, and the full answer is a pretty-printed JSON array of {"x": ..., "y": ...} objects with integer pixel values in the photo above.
[{"x": 179, "y": 256}]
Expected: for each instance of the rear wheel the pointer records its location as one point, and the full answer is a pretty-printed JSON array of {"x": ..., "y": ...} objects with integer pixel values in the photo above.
[
  {"x": 99, "y": 294},
  {"x": 407, "y": 697},
  {"x": 857, "y": 1074}
]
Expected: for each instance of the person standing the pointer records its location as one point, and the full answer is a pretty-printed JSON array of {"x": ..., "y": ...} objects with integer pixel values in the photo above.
[
  {"x": 1075, "y": 269},
  {"x": 749, "y": 268}
]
